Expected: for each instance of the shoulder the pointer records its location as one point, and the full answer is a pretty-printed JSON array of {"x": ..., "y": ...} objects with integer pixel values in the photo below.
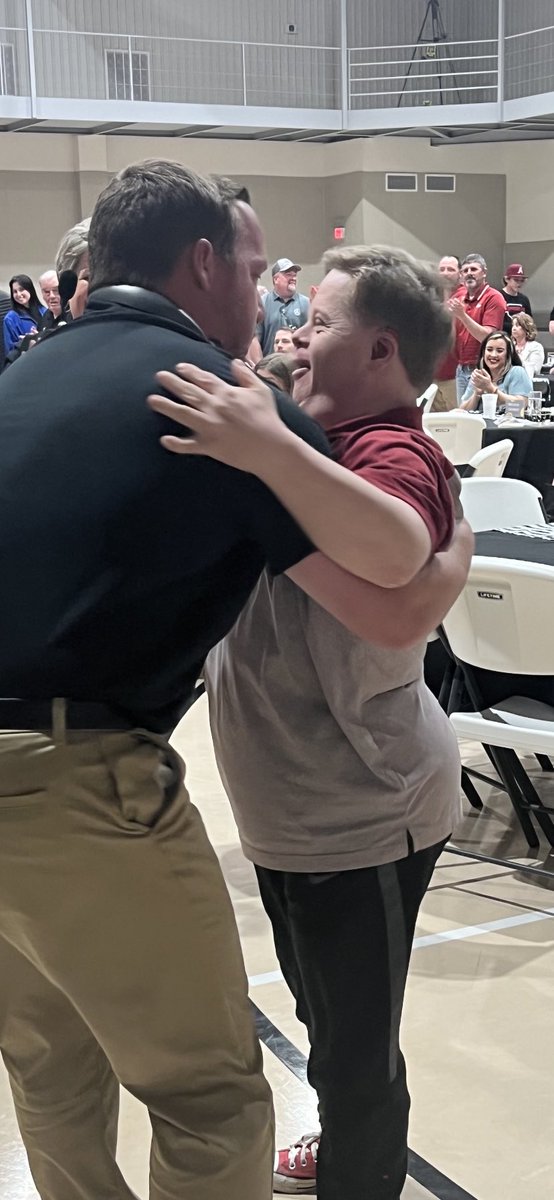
[
  {"x": 519, "y": 378},
  {"x": 494, "y": 297},
  {"x": 400, "y": 446}
]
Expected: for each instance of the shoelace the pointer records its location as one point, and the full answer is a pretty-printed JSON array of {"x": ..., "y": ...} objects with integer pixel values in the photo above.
[{"x": 309, "y": 1142}]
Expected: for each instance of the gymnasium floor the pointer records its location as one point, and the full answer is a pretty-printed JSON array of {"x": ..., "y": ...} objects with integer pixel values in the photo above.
[{"x": 477, "y": 1029}]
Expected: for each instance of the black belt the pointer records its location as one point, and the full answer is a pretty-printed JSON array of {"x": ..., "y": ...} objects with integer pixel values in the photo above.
[{"x": 75, "y": 714}]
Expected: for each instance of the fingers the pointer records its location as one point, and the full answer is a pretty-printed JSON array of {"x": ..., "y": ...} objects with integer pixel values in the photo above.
[
  {"x": 244, "y": 375},
  {"x": 190, "y": 394},
  {"x": 182, "y": 415},
  {"x": 201, "y": 379},
  {"x": 180, "y": 445}
]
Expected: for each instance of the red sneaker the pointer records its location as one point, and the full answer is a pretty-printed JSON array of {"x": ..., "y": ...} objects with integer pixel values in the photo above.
[{"x": 295, "y": 1168}]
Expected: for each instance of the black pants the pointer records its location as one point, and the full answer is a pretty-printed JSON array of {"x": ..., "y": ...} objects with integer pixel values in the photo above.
[{"x": 343, "y": 942}]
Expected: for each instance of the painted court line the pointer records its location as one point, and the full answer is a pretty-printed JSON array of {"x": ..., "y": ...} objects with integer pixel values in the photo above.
[
  {"x": 449, "y": 935},
  {"x": 435, "y": 1183}
]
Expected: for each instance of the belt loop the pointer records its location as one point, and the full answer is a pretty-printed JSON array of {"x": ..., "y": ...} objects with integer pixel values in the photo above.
[{"x": 58, "y": 720}]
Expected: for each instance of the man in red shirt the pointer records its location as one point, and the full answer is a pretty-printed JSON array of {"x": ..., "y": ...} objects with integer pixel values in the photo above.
[
  {"x": 480, "y": 310},
  {"x": 445, "y": 377}
]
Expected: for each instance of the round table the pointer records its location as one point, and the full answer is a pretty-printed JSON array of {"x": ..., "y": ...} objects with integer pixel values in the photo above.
[{"x": 532, "y": 458}]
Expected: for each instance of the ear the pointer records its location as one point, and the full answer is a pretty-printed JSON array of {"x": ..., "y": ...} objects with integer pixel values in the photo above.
[
  {"x": 384, "y": 348},
  {"x": 202, "y": 263}
]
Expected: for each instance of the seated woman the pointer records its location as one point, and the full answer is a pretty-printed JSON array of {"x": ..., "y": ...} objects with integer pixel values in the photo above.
[
  {"x": 499, "y": 371},
  {"x": 25, "y": 315},
  {"x": 277, "y": 369},
  {"x": 530, "y": 351}
]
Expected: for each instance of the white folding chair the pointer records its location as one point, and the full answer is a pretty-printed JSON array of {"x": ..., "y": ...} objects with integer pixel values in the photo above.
[
  {"x": 499, "y": 503},
  {"x": 425, "y": 401},
  {"x": 458, "y": 433},
  {"x": 501, "y": 622},
  {"x": 490, "y": 462}
]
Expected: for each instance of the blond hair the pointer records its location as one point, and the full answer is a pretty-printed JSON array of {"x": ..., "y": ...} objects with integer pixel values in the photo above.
[{"x": 527, "y": 324}]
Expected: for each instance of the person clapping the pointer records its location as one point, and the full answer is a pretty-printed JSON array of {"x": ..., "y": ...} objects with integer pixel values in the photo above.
[{"x": 499, "y": 371}]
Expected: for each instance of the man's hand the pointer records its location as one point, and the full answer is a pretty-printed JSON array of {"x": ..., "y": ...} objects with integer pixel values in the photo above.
[
  {"x": 456, "y": 307},
  {"x": 233, "y": 424},
  {"x": 374, "y": 535}
]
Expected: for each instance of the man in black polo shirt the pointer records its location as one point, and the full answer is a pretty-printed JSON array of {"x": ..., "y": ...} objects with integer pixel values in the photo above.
[{"x": 119, "y": 956}]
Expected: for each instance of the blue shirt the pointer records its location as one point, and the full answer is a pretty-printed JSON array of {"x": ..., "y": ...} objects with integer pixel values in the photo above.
[
  {"x": 516, "y": 382},
  {"x": 281, "y": 314},
  {"x": 16, "y": 326}
]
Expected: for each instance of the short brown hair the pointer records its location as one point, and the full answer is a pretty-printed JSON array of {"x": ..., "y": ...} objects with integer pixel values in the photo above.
[
  {"x": 149, "y": 213},
  {"x": 279, "y": 365},
  {"x": 394, "y": 289},
  {"x": 527, "y": 324}
]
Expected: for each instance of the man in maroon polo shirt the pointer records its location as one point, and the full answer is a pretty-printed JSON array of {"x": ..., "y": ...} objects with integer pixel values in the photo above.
[
  {"x": 477, "y": 313},
  {"x": 445, "y": 377}
]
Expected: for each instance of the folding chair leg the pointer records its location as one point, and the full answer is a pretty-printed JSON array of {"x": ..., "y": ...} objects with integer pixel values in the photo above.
[
  {"x": 531, "y": 797},
  {"x": 446, "y": 685},
  {"x": 544, "y": 762},
  {"x": 502, "y": 763},
  {"x": 470, "y": 792}
]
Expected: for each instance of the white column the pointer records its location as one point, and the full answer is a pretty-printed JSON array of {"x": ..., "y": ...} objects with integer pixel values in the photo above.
[{"x": 31, "y": 56}]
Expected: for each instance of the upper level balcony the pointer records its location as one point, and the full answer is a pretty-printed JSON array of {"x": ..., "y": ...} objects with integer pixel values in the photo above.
[{"x": 98, "y": 81}]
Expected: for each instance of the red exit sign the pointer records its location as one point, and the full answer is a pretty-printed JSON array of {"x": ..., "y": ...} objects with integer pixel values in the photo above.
[{"x": 338, "y": 233}]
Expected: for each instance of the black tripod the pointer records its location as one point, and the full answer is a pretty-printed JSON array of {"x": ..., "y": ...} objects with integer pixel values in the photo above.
[{"x": 438, "y": 34}]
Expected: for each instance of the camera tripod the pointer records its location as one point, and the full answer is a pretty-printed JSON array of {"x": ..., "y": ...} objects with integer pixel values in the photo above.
[{"x": 432, "y": 38}]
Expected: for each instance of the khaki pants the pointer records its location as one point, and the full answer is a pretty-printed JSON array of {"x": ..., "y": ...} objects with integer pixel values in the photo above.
[
  {"x": 120, "y": 963},
  {"x": 445, "y": 399}
]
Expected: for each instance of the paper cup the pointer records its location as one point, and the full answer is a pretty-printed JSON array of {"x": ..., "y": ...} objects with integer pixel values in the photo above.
[{"x": 489, "y": 405}]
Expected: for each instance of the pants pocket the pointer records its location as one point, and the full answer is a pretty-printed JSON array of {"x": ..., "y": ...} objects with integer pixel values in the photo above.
[{"x": 146, "y": 778}]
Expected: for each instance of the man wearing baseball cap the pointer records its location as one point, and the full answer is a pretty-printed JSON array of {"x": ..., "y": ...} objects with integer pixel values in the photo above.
[
  {"x": 284, "y": 307},
  {"x": 516, "y": 301}
]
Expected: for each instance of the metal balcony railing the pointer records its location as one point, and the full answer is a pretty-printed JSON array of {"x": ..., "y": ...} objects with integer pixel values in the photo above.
[
  {"x": 411, "y": 76},
  {"x": 75, "y": 64},
  {"x": 529, "y": 63},
  {"x": 46, "y": 64}
]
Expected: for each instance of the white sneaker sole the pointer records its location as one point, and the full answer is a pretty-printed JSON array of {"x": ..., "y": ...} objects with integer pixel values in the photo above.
[{"x": 293, "y": 1187}]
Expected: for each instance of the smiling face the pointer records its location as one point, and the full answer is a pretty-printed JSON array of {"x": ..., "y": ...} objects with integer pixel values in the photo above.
[
  {"x": 344, "y": 368},
  {"x": 284, "y": 283},
  {"x": 449, "y": 269},
  {"x": 20, "y": 294},
  {"x": 495, "y": 356}
]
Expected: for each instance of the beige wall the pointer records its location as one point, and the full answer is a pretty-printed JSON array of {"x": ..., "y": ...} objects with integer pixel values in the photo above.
[{"x": 502, "y": 206}]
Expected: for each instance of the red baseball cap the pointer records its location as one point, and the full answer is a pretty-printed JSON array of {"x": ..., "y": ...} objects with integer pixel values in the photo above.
[{"x": 515, "y": 271}]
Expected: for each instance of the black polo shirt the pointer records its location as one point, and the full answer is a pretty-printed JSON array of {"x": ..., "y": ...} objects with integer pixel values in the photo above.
[{"x": 121, "y": 564}]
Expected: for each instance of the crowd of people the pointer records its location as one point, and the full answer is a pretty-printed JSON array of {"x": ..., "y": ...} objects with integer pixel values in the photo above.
[
  {"x": 63, "y": 289},
  {"x": 495, "y": 346},
  {"x": 299, "y": 563}
]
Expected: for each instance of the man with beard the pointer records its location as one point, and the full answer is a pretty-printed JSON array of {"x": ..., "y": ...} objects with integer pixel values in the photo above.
[{"x": 284, "y": 306}]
